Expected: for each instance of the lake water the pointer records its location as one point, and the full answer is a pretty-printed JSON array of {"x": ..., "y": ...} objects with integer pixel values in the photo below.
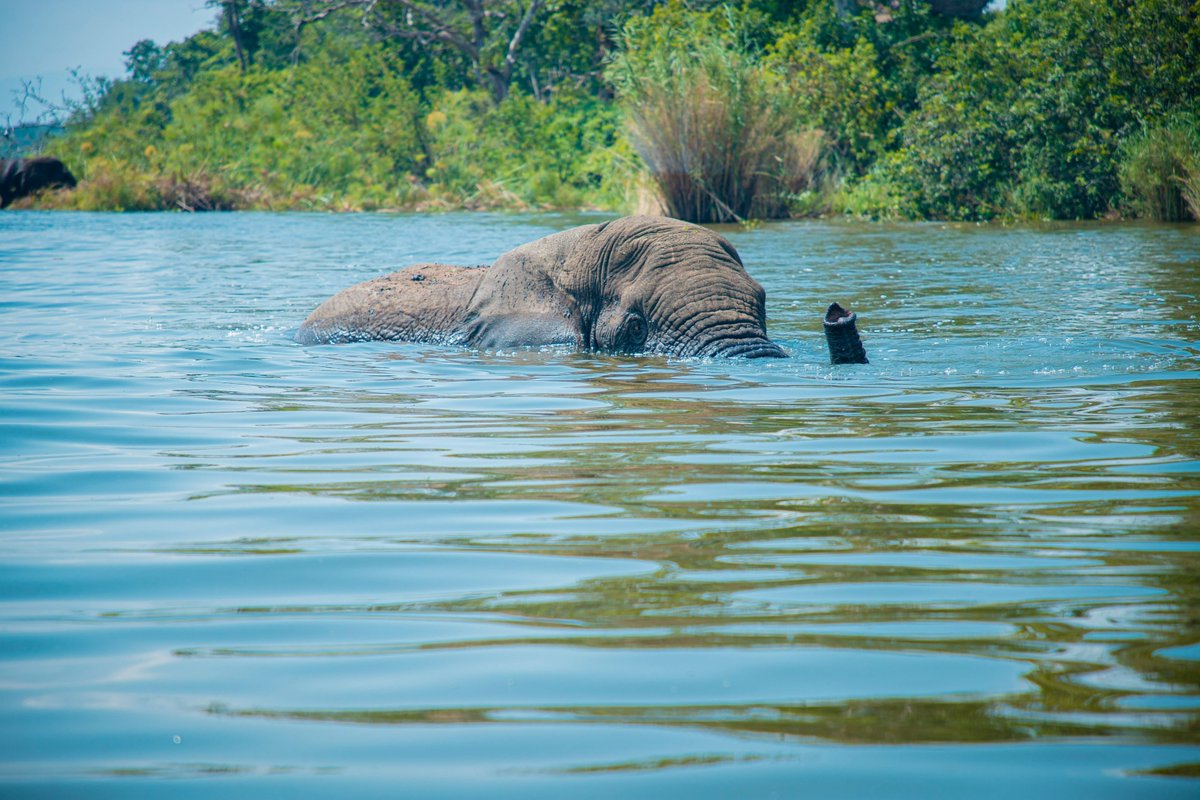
[{"x": 233, "y": 566}]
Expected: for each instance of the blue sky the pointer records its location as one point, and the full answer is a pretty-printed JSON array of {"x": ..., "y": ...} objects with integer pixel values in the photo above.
[{"x": 46, "y": 38}]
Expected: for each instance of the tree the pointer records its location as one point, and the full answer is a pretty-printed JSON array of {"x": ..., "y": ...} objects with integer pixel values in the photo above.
[
  {"x": 143, "y": 60},
  {"x": 488, "y": 34}
]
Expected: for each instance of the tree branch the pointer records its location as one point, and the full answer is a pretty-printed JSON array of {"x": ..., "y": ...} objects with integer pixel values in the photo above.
[
  {"x": 235, "y": 30},
  {"x": 299, "y": 20},
  {"x": 511, "y": 57},
  {"x": 441, "y": 29},
  {"x": 426, "y": 22}
]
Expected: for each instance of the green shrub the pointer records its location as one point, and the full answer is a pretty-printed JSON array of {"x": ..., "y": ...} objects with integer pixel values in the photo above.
[
  {"x": 1024, "y": 115},
  {"x": 840, "y": 93},
  {"x": 713, "y": 126},
  {"x": 1191, "y": 190},
  {"x": 522, "y": 152},
  {"x": 882, "y": 193},
  {"x": 339, "y": 131},
  {"x": 1159, "y": 169},
  {"x": 275, "y": 132}
]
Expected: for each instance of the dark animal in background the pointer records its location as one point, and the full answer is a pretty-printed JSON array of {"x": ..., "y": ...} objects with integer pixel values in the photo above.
[{"x": 21, "y": 177}]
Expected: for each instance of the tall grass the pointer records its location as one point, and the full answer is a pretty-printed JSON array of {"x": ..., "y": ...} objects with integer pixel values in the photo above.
[
  {"x": 714, "y": 128},
  {"x": 1160, "y": 171},
  {"x": 1191, "y": 190}
]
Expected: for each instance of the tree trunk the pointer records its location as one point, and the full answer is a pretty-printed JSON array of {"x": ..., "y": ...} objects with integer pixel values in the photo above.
[{"x": 233, "y": 20}]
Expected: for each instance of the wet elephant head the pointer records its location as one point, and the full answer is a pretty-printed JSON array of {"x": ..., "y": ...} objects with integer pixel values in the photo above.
[{"x": 634, "y": 285}]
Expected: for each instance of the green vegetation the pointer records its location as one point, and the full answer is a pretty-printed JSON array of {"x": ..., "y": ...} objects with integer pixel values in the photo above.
[
  {"x": 717, "y": 131},
  {"x": 1160, "y": 171},
  {"x": 1064, "y": 109},
  {"x": 1025, "y": 116}
]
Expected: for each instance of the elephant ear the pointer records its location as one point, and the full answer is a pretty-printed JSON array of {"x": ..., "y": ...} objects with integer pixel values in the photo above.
[{"x": 540, "y": 293}]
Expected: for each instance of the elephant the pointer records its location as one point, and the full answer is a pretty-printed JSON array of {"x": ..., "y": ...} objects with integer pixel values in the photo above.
[
  {"x": 841, "y": 334},
  {"x": 641, "y": 284},
  {"x": 20, "y": 177}
]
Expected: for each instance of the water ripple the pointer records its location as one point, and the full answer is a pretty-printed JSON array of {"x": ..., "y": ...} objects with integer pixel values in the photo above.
[{"x": 229, "y": 561}]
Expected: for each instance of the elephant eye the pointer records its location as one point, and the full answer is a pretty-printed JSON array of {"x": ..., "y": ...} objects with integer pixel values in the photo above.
[{"x": 633, "y": 332}]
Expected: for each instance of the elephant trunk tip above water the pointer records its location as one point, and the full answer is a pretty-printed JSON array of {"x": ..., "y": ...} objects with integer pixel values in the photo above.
[
  {"x": 641, "y": 284},
  {"x": 841, "y": 333}
]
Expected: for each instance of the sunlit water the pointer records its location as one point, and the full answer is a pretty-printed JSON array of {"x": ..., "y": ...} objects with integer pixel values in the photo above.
[{"x": 233, "y": 566}]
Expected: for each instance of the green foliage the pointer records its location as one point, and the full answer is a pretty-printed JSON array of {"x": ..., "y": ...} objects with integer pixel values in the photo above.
[
  {"x": 743, "y": 108},
  {"x": 114, "y": 185},
  {"x": 521, "y": 152},
  {"x": 265, "y": 30},
  {"x": 886, "y": 192},
  {"x": 1023, "y": 116},
  {"x": 283, "y": 133},
  {"x": 1159, "y": 171},
  {"x": 842, "y": 94},
  {"x": 344, "y": 129},
  {"x": 714, "y": 127},
  {"x": 855, "y": 76},
  {"x": 269, "y": 137},
  {"x": 183, "y": 61}
]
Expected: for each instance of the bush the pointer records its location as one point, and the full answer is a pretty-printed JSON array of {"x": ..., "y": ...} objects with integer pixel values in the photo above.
[
  {"x": 344, "y": 130},
  {"x": 713, "y": 126},
  {"x": 115, "y": 185},
  {"x": 275, "y": 133},
  {"x": 107, "y": 184},
  {"x": 1024, "y": 115},
  {"x": 261, "y": 138},
  {"x": 840, "y": 93},
  {"x": 1159, "y": 170},
  {"x": 886, "y": 192},
  {"x": 521, "y": 152}
]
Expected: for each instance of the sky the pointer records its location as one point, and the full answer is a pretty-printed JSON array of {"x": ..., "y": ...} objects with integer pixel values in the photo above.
[{"x": 47, "y": 38}]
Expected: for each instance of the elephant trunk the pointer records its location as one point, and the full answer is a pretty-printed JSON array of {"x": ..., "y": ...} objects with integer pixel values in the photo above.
[
  {"x": 841, "y": 334},
  {"x": 748, "y": 348},
  {"x": 713, "y": 315}
]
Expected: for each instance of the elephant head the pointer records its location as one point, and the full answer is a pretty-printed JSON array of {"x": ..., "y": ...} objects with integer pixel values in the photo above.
[{"x": 634, "y": 285}]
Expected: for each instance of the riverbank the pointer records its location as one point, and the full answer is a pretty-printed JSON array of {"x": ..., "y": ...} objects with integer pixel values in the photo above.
[{"x": 1044, "y": 110}]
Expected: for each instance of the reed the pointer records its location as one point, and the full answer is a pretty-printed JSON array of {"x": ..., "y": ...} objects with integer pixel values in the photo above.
[
  {"x": 1160, "y": 171},
  {"x": 714, "y": 128},
  {"x": 1190, "y": 187}
]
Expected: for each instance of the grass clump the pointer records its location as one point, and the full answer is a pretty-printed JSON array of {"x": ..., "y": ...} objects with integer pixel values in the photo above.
[
  {"x": 1160, "y": 171},
  {"x": 715, "y": 129}
]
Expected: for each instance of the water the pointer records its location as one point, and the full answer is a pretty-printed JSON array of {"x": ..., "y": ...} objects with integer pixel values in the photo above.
[{"x": 233, "y": 566}]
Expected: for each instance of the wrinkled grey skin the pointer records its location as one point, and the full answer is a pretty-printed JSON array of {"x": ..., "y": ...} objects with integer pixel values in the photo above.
[{"x": 634, "y": 285}]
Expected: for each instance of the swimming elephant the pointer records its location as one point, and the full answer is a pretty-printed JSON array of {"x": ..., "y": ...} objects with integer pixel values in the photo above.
[
  {"x": 20, "y": 177},
  {"x": 634, "y": 285}
]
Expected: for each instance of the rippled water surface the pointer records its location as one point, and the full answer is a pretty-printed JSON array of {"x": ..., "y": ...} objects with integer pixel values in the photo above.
[{"x": 233, "y": 566}]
